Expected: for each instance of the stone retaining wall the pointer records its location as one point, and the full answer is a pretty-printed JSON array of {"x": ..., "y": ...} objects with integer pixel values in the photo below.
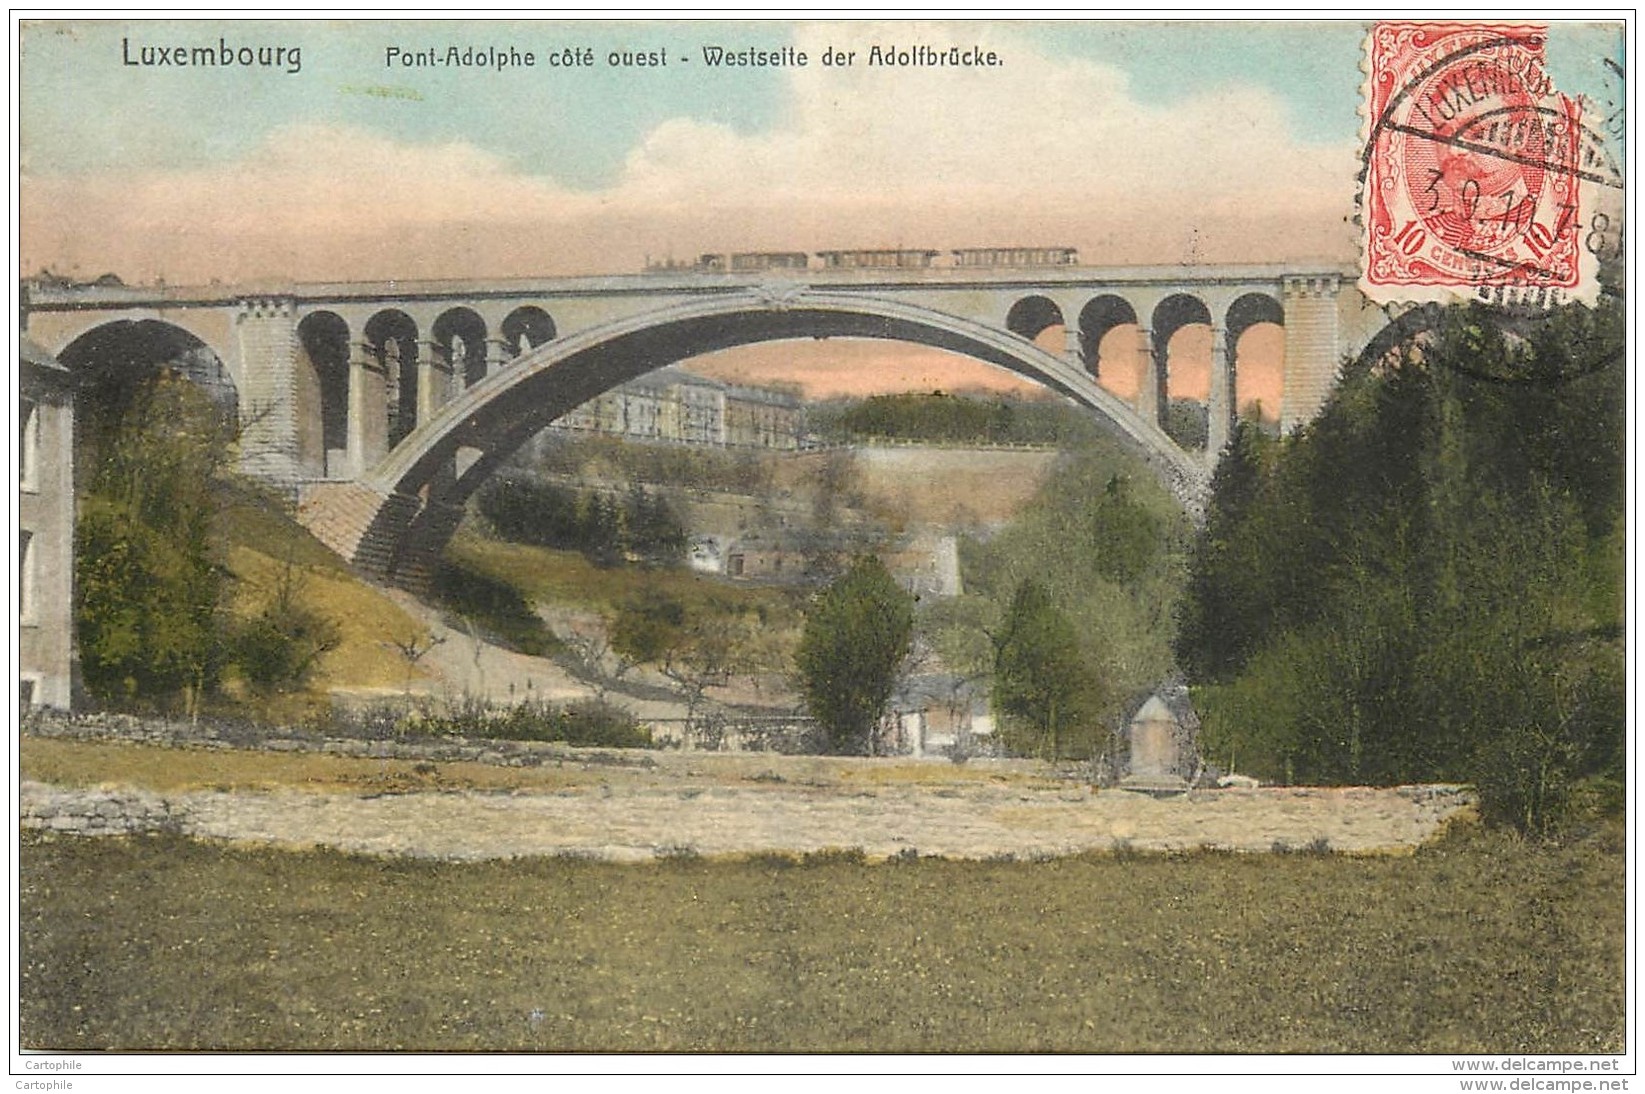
[
  {"x": 96, "y": 812},
  {"x": 207, "y": 734}
]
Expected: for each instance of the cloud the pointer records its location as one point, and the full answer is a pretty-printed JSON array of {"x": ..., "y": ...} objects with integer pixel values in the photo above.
[{"x": 1044, "y": 149}]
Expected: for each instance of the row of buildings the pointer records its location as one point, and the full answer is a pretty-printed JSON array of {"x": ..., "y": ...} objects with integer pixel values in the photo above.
[{"x": 677, "y": 406}]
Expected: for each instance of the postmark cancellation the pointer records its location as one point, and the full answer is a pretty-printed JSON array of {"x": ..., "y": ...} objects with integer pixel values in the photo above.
[{"x": 1479, "y": 179}]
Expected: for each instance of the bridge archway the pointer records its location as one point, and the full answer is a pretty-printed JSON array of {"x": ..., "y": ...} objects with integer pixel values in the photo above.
[
  {"x": 418, "y": 498},
  {"x": 460, "y": 335},
  {"x": 322, "y": 372},
  {"x": 527, "y": 327},
  {"x": 1038, "y": 319},
  {"x": 1182, "y": 354},
  {"x": 1255, "y": 326},
  {"x": 1109, "y": 341},
  {"x": 391, "y": 337},
  {"x": 113, "y": 360}
]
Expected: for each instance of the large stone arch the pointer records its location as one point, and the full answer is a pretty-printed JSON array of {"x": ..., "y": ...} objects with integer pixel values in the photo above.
[
  {"x": 213, "y": 328},
  {"x": 111, "y": 360},
  {"x": 397, "y": 518}
]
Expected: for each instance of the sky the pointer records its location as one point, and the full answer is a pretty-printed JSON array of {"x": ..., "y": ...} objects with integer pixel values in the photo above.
[{"x": 1137, "y": 142}]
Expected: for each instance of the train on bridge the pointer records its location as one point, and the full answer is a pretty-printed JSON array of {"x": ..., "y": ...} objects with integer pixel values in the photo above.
[{"x": 893, "y": 258}]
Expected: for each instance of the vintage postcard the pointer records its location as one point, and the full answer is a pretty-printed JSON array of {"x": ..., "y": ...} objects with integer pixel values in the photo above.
[{"x": 892, "y": 543}]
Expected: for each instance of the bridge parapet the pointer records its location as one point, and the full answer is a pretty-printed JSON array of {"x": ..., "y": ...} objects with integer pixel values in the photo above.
[{"x": 360, "y": 382}]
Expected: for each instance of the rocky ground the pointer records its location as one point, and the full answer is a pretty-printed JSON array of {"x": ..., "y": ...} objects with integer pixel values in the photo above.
[{"x": 630, "y": 806}]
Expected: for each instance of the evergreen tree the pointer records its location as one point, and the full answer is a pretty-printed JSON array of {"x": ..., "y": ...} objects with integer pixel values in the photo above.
[
  {"x": 1426, "y": 581},
  {"x": 1041, "y": 686},
  {"x": 857, "y": 635}
]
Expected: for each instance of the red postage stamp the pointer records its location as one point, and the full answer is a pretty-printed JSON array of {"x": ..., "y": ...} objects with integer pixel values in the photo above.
[{"x": 1473, "y": 167}]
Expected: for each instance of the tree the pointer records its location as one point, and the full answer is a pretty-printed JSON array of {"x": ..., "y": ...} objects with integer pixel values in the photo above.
[
  {"x": 648, "y": 627},
  {"x": 856, "y": 637},
  {"x": 710, "y": 647},
  {"x": 1424, "y": 583},
  {"x": 654, "y": 532},
  {"x": 1041, "y": 686},
  {"x": 280, "y": 646},
  {"x": 148, "y": 594}
]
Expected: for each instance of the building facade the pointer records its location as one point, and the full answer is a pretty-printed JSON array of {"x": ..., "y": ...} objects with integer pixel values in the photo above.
[
  {"x": 674, "y": 405},
  {"x": 45, "y": 521}
]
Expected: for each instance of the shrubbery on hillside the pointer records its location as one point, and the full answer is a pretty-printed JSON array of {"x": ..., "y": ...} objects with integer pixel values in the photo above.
[
  {"x": 952, "y": 419},
  {"x": 1427, "y": 582},
  {"x": 606, "y": 529},
  {"x": 152, "y": 621}
]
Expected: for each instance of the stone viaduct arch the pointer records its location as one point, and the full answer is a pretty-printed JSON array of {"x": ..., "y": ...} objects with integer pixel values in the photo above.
[
  {"x": 110, "y": 359},
  {"x": 397, "y": 517},
  {"x": 379, "y": 406}
]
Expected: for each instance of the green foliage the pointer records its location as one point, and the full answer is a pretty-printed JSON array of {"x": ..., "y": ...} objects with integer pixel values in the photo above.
[
  {"x": 278, "y": 648},
  {"x": 952, "y": 419},
  {"x": 958, "y": 630},
  {"x": 1188, "y": 422},
  {"x": 493, "y": 605},
  {"x": 1049, "y": 702},
  {"x": 589, "y": 722},
  {"x": 648, "y": 627},
  {"x": 606, "y": 530},
  {"x": 147, "y": 591},
  {"x": 150, "y": 596},
  {"x": 857, "y": 635},
  {"x": 613, "y": 459},
  {"x": 1426, "y": 582},
  {"x": 1104, "y": 542},
  {"x": 146, "y": 607}
]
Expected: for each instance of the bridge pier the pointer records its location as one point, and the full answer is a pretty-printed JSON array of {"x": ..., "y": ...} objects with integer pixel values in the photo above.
[
  {"x": 497, "y": 355},
  {"x": 1222, "y": 410},
  {"x": 271, "y": 398},
  {"x": 368, "y": 397},
  {"x": 1312, "y": 346},
  {"x": 1153, "y": 395},
  {"x": 1151, "y": 390}
]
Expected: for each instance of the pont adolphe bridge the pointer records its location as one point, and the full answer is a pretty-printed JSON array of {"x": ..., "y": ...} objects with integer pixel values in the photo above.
[{"x": 382, "y": 406}]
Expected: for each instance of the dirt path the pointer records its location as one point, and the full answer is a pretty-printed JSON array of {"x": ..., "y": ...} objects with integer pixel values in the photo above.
[{"x": 635, "y": 819}]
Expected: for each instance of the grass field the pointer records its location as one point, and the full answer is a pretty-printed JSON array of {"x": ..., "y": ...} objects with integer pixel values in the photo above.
[
  {"x": 171, "y": 770},
  {"x": 1479, "y": 944},
  {"x": 545, "y": 575}
]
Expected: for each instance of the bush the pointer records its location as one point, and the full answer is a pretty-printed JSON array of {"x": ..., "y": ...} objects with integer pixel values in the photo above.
[
  {"x": 588, "y": 722},
  {"x": 606, "y": 530},
  {"x": 277, "y": 649},
  {"x": 494, "y": 606},
  {"x": 857, "y": 636}
]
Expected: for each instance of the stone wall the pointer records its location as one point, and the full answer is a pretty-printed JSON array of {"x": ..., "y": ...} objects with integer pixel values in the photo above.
[{"x": 228, "y": 735}]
